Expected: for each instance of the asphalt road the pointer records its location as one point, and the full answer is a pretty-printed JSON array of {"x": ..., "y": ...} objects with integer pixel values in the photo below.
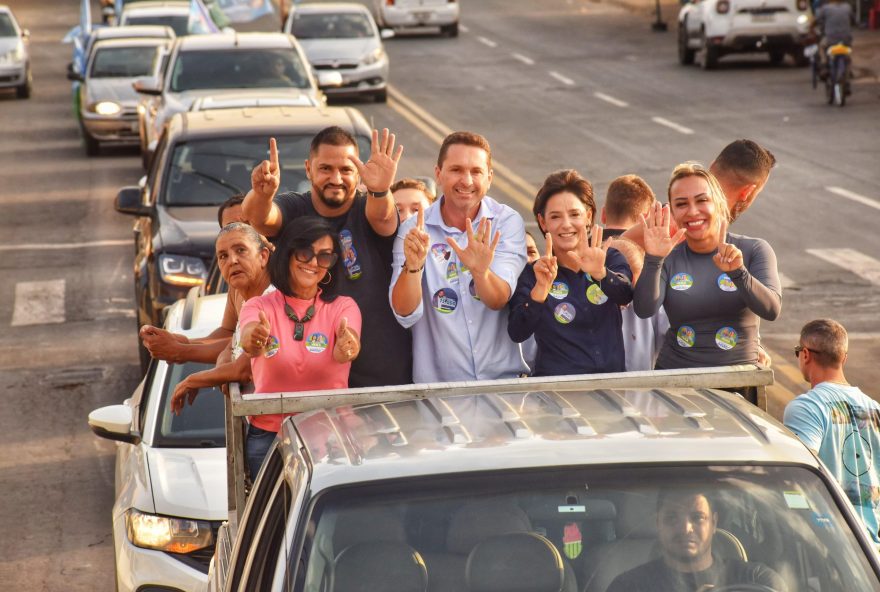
[{"x": 573, "y": 83}]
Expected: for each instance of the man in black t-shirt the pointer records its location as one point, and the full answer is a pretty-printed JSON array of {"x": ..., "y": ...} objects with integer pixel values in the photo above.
[
  {"x": 686, "y": 524},
  {"x": 366, "y": 225}
]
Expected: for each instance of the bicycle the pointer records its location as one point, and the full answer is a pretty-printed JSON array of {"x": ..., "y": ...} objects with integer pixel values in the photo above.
[{"x": 837, "y": 81}]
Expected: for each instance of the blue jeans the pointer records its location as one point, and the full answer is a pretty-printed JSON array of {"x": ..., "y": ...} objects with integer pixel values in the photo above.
[{"x": 256, "y": 447}]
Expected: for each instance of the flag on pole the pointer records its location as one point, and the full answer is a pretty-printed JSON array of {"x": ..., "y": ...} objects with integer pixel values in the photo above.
[
  {"x": 200, "y": 21},
  {"x": 245, "y": 11}
]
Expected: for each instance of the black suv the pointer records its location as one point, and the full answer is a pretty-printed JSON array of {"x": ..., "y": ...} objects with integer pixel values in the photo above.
[{"x": 202, "y": 159}]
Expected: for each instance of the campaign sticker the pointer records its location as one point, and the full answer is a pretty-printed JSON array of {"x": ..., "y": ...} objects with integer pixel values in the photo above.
[
  {"x": 349, "y": 255},
  {"x": 686, "y": 336},
  {"x": 559, "y": 290},
  {"x": 596, "y": 295},
  {"x": 725, "y": 283},
  {"x": 317, "y": 343},
  {"x": 726, "y": 338},
  {"x": 472, "y": 289},
  {"x": 796, "y": 500},
  {"x": 451, "y": 272},
  {"x": 440, "y": 251},
  {"x": 465, "y": 269},
  {"x": 445, "y": 300},
  {"x": 564, "y": 313},
  {"x": 272, "y": 347},
  {"x": 681, "y": 281}
]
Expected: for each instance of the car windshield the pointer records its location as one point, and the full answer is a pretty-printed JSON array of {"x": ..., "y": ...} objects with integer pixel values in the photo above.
[
  {"x": 123, "y": 62},
  {"x": 208, "y": 172},
  {"x": 238, "y": 68},
  {"x": 180, "y": 23},
  {"x": 331, "y": 26},
  {"x": 7, "y": 29},
  {"x": 580, "y": 529},
  {"x": 201, "y": 425}
]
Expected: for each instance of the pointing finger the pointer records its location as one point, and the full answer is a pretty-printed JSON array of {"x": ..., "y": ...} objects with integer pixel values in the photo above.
[
  {"x": 723, "y": 236},
  {"x": 420, "y": 220},
  {"x": 273, "y": 156},
  {"x": 548, "y": 239}
]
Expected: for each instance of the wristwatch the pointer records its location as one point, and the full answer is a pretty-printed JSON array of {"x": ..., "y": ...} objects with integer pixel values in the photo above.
[{"x": 377, "y": 193}]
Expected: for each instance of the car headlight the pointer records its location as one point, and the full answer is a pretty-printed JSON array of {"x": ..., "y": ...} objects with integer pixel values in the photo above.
[
  {"x": 107, "y": 108},
  {"x": 16, "y": 54},
  {"x": 175, "y": 535},
  {"x": 374, "y": 56},
  {"x": 180, "y": 270}
]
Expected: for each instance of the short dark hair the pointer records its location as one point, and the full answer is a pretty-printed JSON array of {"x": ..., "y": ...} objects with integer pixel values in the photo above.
[
  {"x": 332, "y": 136},
  {"x": 627, "y": 198},
  {"x": 302, "y": 232},
  {"x": 666, "y": 493},
  {"x": 410, "y": 183},
  {"x": 565, "y": 180},
  {"x": 827, "y": 340},
  {"x": 745, "y": 161},
  {"x": 468, "y": 139},
  {"x": 235, "y": 200}
]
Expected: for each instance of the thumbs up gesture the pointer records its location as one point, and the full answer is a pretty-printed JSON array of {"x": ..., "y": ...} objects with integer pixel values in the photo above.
[
  {"x": 728, "y": 257},
  {"x": 348, "y": 344},
  {"x": 256, "y": 335}
]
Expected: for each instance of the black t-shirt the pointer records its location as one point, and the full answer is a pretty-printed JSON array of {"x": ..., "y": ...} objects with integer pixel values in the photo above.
[
  {"x": 656, "y": 576},
  {"x": 386, "y": 347}
]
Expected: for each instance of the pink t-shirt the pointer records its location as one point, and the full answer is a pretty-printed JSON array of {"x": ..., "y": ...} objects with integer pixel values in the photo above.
[{"x": 289, "y": 365}]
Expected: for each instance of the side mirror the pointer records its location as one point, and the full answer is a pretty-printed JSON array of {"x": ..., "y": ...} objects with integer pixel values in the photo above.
[
  {"x": 386, "y": 33},
  {"x": 128, "y": 201},
  {"x": 326, "y": 79},
  {"x": 25, "y": 34},
  {"x": 147, "y": 86},
  {"x": 114, "y": 423},
  {"x": 72, "y": 74}
]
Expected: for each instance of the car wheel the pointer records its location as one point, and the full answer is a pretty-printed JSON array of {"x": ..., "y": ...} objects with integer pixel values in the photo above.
[
  {"x": 24, "y": 91},
  {"x": 710, "y": 54},
  {"x": 381, "y": 96},
  {"x": 449, "y": 30},
  {"x": 776, "y": 56},
  {"x": 685, "y": 54},
  {"x": 93, "y": 147}
]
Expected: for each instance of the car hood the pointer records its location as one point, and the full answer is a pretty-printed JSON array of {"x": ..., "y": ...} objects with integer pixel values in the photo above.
[
  {"x": 351, "y": 50},
  {"x": 189, "y": 482},
  {"x": 112, "y": 89},
  {"x": 189, "y": 230}
]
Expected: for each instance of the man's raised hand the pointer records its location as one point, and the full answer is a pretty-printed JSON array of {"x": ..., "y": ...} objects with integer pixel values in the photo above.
[
  {"x": 656, "y": 225},
  {"x": 545, "y": 272},
  {"x": 416, "y": 244},
  {"x": 479, "y": 252},
  {"x": 266, "y": 177},
  {"x": 378, "y": 173}
]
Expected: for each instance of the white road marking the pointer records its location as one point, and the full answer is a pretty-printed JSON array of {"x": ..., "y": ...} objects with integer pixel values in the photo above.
[
  {"x": 524, "y": 59},
  {"x": 463, "y": 29},
  {"x": 871, "y": 203},
  {"x": 851, "y": 260},
  {"x": 38, "y": 303},
  {"x": 60, "y": 246},
  {"x": 561, "y": 78},
  {"x": 610, "y": 99},
  {"x": 487, "y": 42},
  {"x": 786, "y": 281},
  {"x": 672, "y": 125}
]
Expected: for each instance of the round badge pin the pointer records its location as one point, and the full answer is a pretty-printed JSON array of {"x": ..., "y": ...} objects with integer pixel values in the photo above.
[
  {"x": 564, "y": 313},
  {"x": 440, "y": 251},
  {"x": 272, "y": 347},
  {"x": 681, "y": 281},
  {"x": 445, "y": 300},
  {"x": 317, "y": 343},
  {"x": 686, "y": 336},
  {"x": 726, "y": 338},
  {"x": 451, "y": 272},
  {"x": 472, "y": 290},
  {"x": 725, "y": 283},
  {"x": 595, "y": 295},
  {"x": 559, "y": 290}
]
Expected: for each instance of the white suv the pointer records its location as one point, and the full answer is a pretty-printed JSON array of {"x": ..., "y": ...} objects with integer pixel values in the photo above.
[{"x": 716, "y": 28}]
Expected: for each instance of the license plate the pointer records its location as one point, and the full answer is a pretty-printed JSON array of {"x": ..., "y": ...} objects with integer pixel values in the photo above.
[
  {"x": 422, "y": 16},
  {"x": 763, "y": 18}
]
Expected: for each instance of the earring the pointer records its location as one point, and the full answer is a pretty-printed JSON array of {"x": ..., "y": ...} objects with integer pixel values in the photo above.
[{"x": 327, "y": 277}]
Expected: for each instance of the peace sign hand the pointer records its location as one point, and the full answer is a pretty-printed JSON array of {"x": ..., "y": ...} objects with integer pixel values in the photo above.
[
  {"x": 379, "y": 171},
  {"x": 348, "y": 345},
  {"x": 545, "y": 272},
  {"x": 591, "y": 252},
  {"x": 415, "y": 244},
  {"x": 266, "y": 176},
  {"x": 728, "y": 257},
  {"x": 656, "y": 225},
  {"x": 479, "y": 253}
]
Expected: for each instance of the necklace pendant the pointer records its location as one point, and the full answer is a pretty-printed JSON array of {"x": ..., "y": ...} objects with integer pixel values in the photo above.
[{"x": 298, "y": 330}]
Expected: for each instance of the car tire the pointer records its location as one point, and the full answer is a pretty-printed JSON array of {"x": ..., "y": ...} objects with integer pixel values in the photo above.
[
  {"x": 449, "y": 30},
  {"x": 24, "y": 91},
  {"x": 776, "y": 56},
  {"x": 685, "y": 54},
  {"x": 710, "y": 54},
  {"x": 381, "y": 96},
  {"x": 93, "y": 146}
]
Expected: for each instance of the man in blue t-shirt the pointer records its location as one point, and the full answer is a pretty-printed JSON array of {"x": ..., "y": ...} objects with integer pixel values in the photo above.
[{"x": 836, "y": 420}]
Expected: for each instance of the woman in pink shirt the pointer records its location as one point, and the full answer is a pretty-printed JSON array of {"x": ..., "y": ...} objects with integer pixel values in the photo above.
[{"x": 303, "y": 336}]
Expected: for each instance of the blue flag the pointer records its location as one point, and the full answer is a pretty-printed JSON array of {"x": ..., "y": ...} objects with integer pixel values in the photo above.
[{"x": 200, "y": 20}]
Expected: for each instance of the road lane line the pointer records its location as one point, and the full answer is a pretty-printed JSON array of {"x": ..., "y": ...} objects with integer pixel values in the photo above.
[
  {"x": 561, "y": 78},
  {"x": 464, "y": 29},
  {"x": 487, "y": 42},
  {"x": 60, "y": 246},
  {"x": 524, "y": 59},
  {"x": 38, "y": 303},
  {"x": 610, "y": 99},
  {"x": 871, "y": 203},
  {"x": 851, "y": 260},
  {"x": 672, "y": 125}
]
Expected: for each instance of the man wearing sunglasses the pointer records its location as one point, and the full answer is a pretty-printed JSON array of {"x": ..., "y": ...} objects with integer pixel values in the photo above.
[{"x": 836, "y": 420}]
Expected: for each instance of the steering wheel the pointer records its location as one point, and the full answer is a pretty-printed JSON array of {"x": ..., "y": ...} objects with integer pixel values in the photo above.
[{"x": 741, "y": 588}]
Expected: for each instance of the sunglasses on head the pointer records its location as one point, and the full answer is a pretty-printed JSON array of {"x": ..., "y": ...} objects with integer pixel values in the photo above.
[
  {"x": 324, "y": 259},
  {"x": 799, "y": 348}
]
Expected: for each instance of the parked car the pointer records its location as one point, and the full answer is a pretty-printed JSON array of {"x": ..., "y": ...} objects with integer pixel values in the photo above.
[
  {"x": 15, "y": 61},
  {"x": 206, "y": 65},
  {"x": 408, "y": 14},
  {"x": 170, "y": 480},
  {"x": 343, "y": 37},
  {"x": 530, "y": 484},
  {"x": 171, "y": 13},
  {"x": 715, "y": 28},
  {"x": 107, "y": 100},
  {"x": 202, "y": 159}
]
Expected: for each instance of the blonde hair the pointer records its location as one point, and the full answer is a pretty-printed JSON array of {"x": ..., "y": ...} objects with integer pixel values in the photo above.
[{"x": 716, "y": 194}]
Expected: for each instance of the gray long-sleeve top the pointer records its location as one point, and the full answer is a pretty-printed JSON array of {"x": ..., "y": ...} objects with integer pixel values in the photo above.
[{"x": 714, "y": 317}]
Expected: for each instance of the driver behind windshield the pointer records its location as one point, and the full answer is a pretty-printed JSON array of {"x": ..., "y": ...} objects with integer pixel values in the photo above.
[{"x": 686, "y": 524}]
